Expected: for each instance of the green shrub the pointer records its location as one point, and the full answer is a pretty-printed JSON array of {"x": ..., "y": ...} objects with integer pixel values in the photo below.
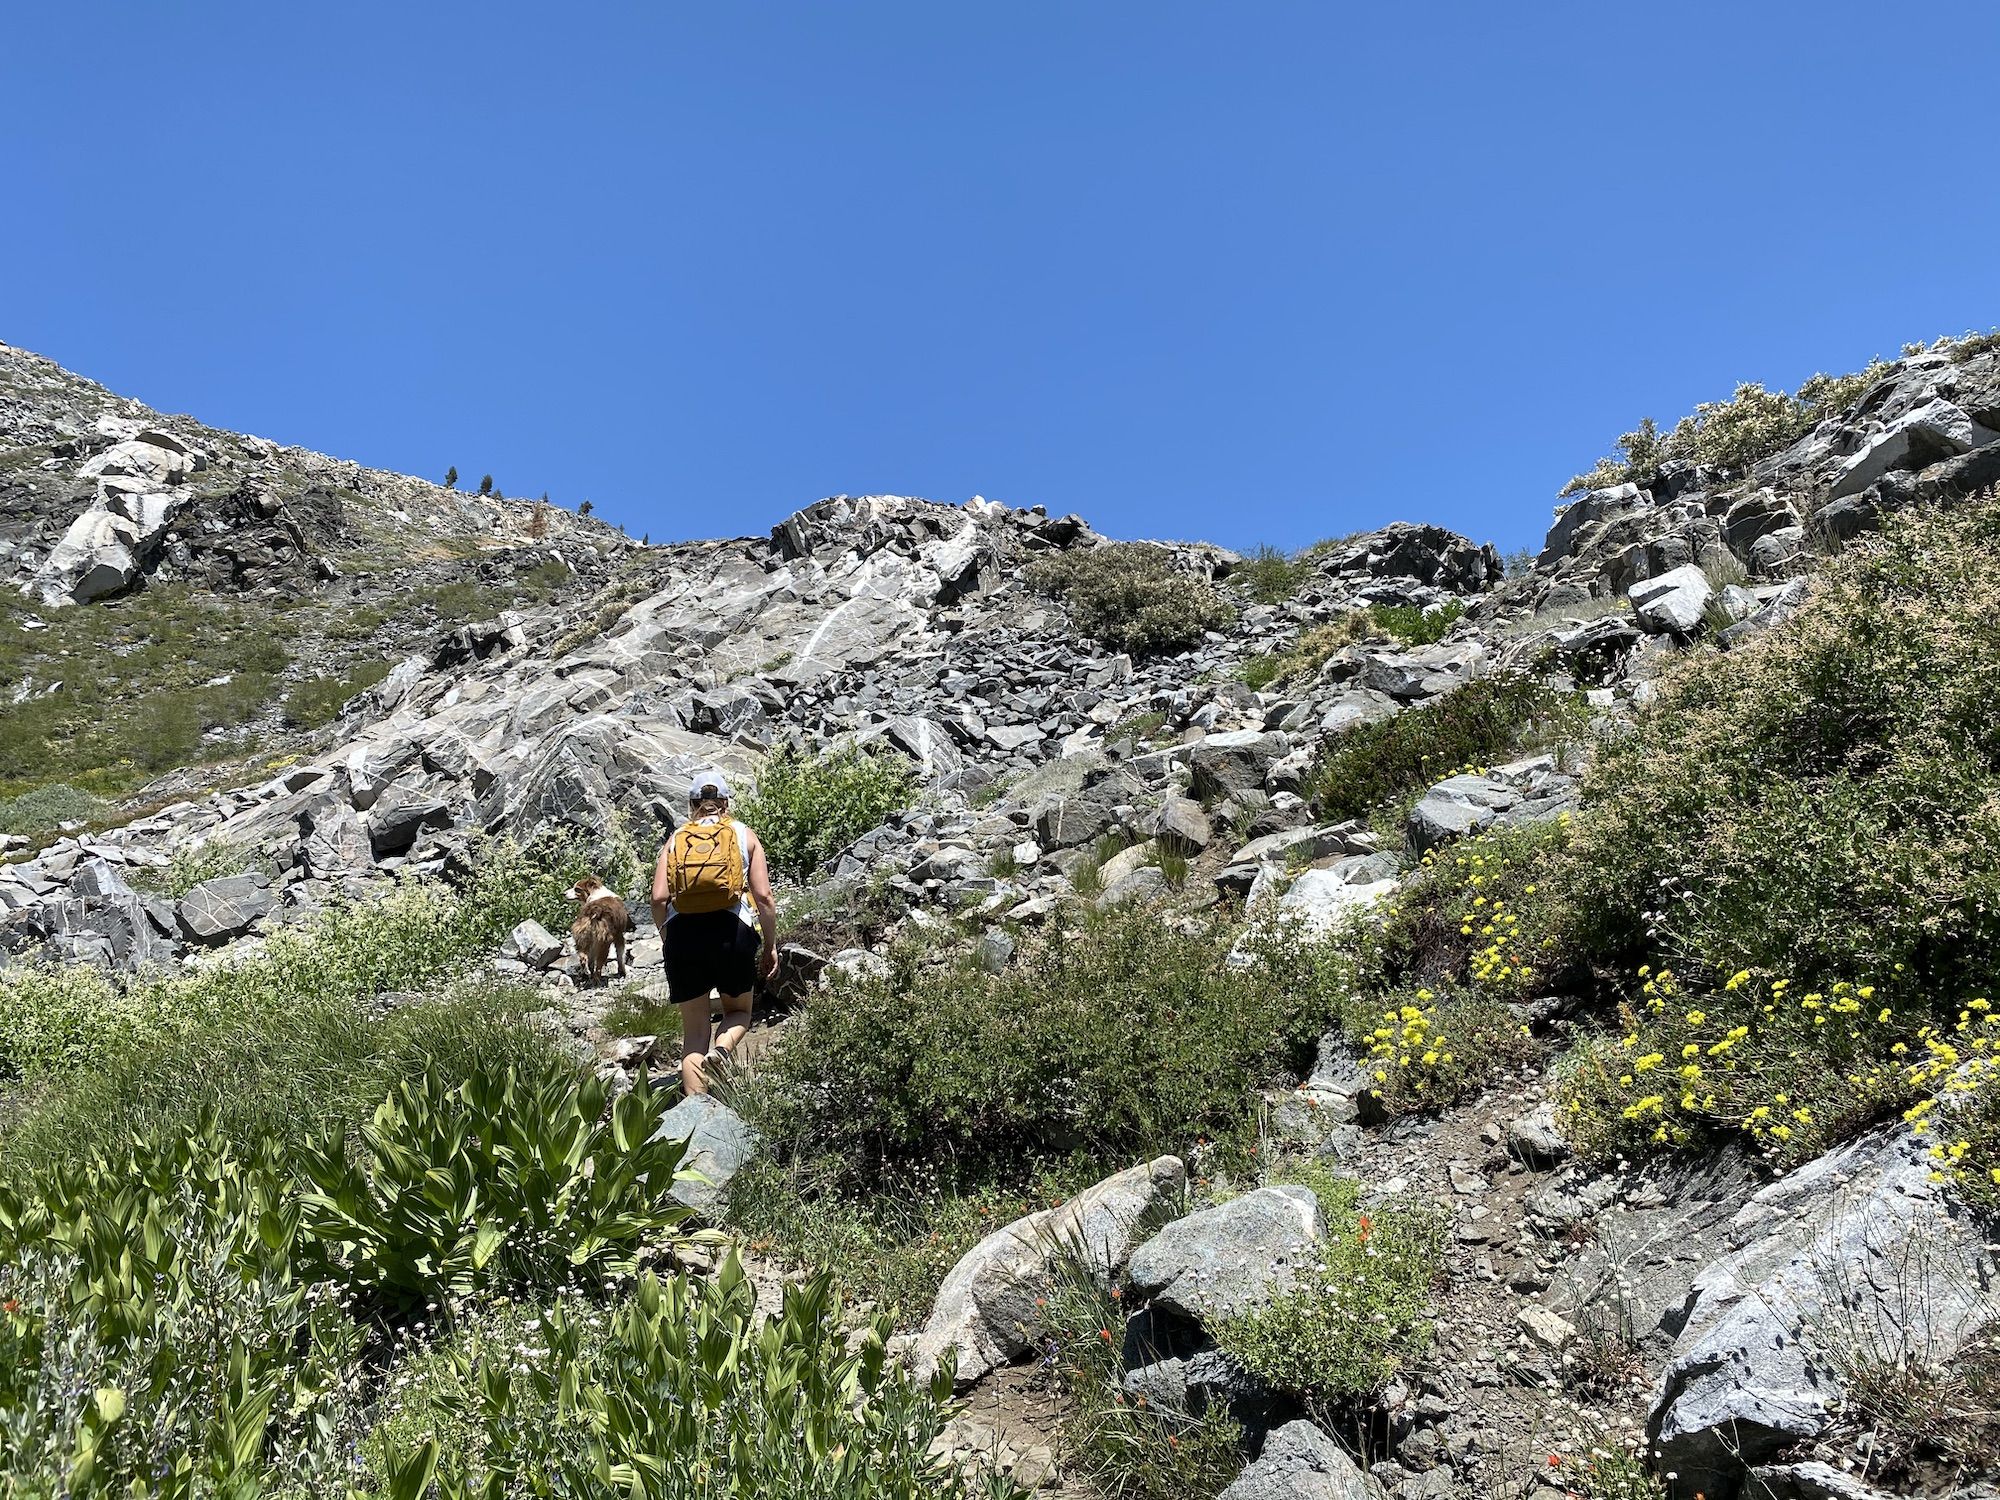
[
  {"x": 1129, "y": 596},
  {"x": 1417, "y": 627},
  {"x": 1794, "y": 849},
  {"x": 1734, "y": 434},
  {"x": 498, "y": 1180},
  {"x": 319, "y": 700},
  {"x": 278, "y": 1072},
  {"x": 807, "y": 808},
  {"x": 1489, "y": 718},
  {"x": 1269, "y": 576},
  {"x": 44, "y": 810},
  {"x": 1352, "y": 1323},
  {"x": 690, "y": 1395},
  {"x": 1117, "y": 1035},
  {"x": 1819, "y": 804},
  {"x": 1259, "y": 672}
]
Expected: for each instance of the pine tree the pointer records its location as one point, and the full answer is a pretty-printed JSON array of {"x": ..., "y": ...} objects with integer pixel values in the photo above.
[
  {"x": 486, "y": 485},
  {"x": 451, "y": 477},
  {"x": 584, "y": 509}
]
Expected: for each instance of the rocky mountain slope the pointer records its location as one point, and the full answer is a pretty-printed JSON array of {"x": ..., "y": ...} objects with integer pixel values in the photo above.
[
  {"x": 1052, "y": 768},
  {"x": 282, "y": 579}
]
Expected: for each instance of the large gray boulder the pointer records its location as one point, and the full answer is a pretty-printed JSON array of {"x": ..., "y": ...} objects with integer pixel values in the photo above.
[
  {"x": 533, "y": 944},
  {"x": 985, "y": 1310},
  {"x": 1457, "y": 807},
  {"x": 400, "y": 814},
  {"x": 1235, "y": 761},
  {"x": 1859, "y": 1248},
  {"x": 332, "y": 842},
  {"x": 106, "y": 547},
  {"x": 1299, "y": 1462},
  {"x": 226, "y": 907},
  {"x": 159, "y": 459},
  {"x": 1227, "y": 1259},
  {"x": 1936, "y": 430},
  {"x": 1674, "y": 602},
  {"x": 720, "y": 1144},
  {"x": 1064, "y": 820},
  {"x": 1322, "y": 900}
]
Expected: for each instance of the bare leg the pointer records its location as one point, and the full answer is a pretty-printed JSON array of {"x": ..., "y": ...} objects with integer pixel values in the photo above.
[
  {"x": 694, "y": 1044},
  {"x": 735, "y": 1022}
]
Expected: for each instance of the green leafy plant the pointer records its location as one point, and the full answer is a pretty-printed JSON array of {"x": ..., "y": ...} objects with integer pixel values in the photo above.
[
  {"x": 153, "y": 1335},
  {"x": 45, "y": 809},
  {"x": 1130, "y": 596},
  {"x": 498, "y": 1180},
  {"x": 1352, "y": 1322},
  {"x": 1417, "y": 627},
  {"x": 807, "y": 808},
  {"x": 688, "y": 1395}
]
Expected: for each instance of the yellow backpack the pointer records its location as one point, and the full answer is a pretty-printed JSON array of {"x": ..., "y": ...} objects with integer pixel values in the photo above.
[{"x": 705, "y": 866}]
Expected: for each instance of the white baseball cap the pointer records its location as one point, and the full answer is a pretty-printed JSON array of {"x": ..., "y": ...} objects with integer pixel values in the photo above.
[{"x": 707, "y": 784}]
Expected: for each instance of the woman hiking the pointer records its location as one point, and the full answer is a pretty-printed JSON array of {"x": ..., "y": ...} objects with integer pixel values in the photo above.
[{"x": 710, "y": 875}]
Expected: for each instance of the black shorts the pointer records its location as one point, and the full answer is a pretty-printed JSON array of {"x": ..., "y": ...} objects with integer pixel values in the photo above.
[{"x": 710, "y": 950}]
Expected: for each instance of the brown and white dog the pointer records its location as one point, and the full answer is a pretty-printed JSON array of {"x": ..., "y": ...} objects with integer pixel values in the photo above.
[{"x": 600, "y": 926}]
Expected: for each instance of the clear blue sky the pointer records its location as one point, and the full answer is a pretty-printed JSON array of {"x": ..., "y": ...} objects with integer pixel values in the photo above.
[{"x": 1252, "y": 272}]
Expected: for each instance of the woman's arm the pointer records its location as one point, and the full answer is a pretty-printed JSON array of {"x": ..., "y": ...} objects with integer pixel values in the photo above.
[
  {"x": 767, "y": 905},
  {"x": 660, "y": 868}
]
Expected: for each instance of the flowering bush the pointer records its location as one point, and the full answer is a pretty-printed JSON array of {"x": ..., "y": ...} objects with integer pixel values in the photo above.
[
  {"x": 1349, "y": 1324},
  {"x": 1433, "y": 1050},
  {"x": 1752, "y": 424}
]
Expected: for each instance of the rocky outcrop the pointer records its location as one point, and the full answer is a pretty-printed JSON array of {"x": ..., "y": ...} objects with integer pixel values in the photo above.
[
  {"x": 985, "y": 1313},
  {"x": 1228, "y": 1259},
  {"x": 1299, "y": 1462},
  {"x": 1857, "y": 1254},
  {"x": 104, "y": 548}
]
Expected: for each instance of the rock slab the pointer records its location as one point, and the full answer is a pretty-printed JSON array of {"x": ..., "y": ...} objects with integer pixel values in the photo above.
[
  {"x": 1299, "y": 1462},
  {"x": 1227, "y": 1259},
  {"x": 985, "y": 1311}
]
